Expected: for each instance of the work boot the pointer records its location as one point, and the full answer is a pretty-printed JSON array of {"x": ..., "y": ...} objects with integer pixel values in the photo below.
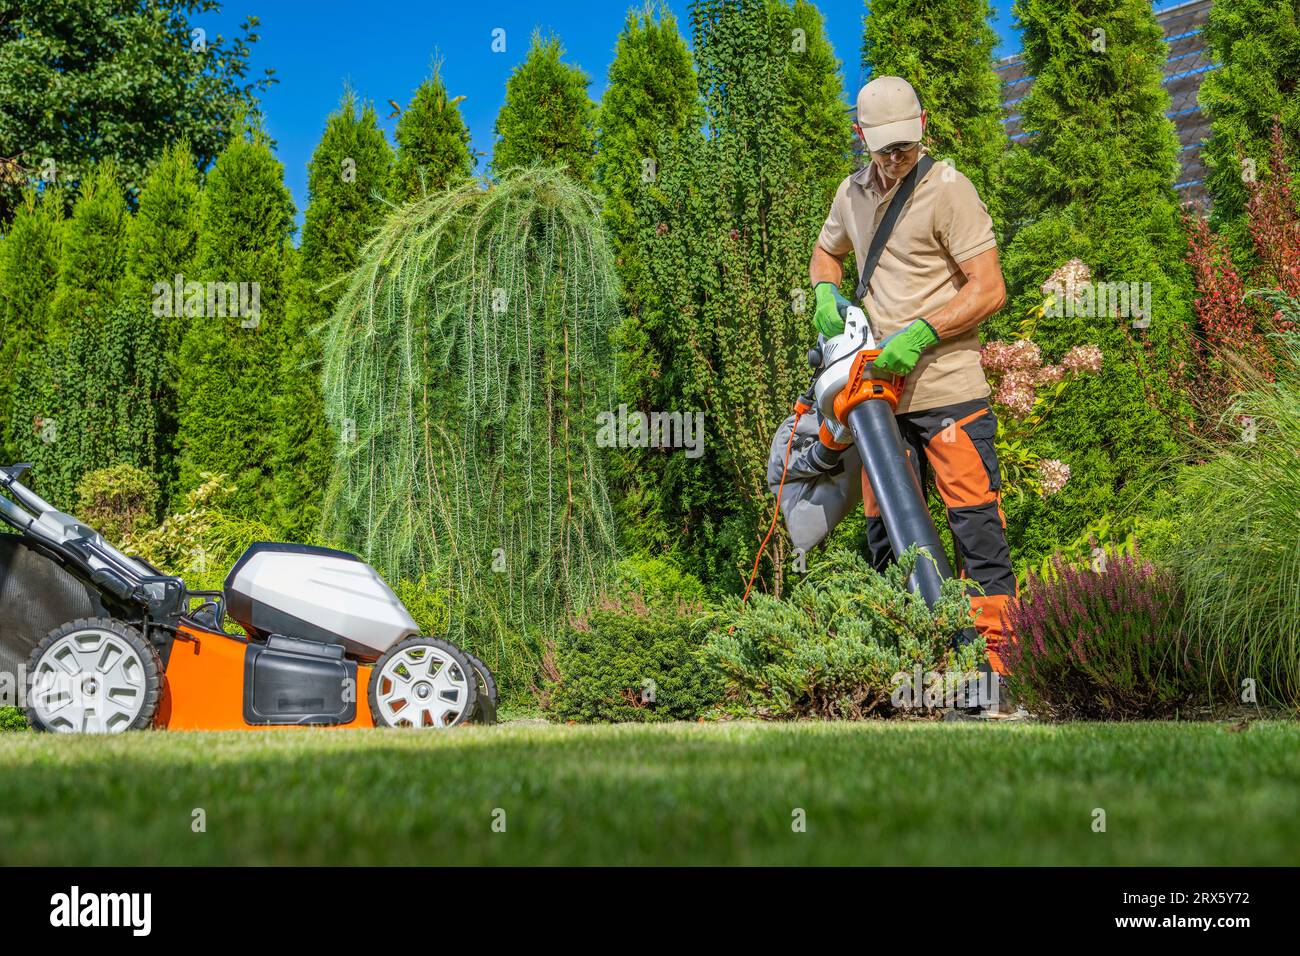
[
  {"x": 1004, "y": 706},
  {"x": 971, "y": 694}
]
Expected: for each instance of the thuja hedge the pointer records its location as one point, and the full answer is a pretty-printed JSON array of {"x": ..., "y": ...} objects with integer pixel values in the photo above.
[
  {"x": 1076, "y": 187},
  {"x": 93, "y": 400}
]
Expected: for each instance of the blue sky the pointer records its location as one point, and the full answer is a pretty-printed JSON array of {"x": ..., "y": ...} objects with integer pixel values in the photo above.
[{"x": 385, "y": 48}]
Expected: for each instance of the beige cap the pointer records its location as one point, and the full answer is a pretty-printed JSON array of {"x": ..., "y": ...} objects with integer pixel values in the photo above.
[{"x": 889, "y": 112}]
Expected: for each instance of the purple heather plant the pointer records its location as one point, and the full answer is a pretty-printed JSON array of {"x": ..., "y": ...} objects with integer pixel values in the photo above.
[{"x": 1102, "y": 644}]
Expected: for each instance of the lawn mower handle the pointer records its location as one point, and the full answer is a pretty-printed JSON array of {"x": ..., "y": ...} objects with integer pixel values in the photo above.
[
  {"x": 9, "y": 475},
  {"x": 129, "y": 580}
]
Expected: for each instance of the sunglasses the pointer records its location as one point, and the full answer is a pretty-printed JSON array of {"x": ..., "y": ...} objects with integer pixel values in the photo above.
[{"x": 894, "y": 149}]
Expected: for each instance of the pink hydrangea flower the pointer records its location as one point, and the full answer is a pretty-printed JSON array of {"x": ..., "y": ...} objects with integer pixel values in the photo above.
[
  {"x": 1052, "y": 476},
  {"x": 994, "y": 357},
  {"x": 1067, "y": 280},
  {"x": 1049, "y": 375},
  {"x": 1083, "y": 358},
  {"x": 1026, "y": 354},
  {"x": 1016, "y": 392},
  {"x": 1009, "y": 356}
]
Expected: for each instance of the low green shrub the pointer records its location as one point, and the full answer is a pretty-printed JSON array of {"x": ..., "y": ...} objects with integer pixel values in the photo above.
[
  {"x": 118, "y": 501},
  {"x": 633, "y": 655},
  {"x": 11, "y": 718},
  {"x": 836, "y": 647},
  {"x": 659, "y": 581},
  {"x": 201, "y": 542},
  {"x": 427, "y": 602},
  {"x": 1104, "y": 644},
  {"x": 1237, "y": 553}
]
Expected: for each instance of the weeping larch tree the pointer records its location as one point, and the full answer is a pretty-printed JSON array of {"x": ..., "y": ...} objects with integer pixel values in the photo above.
[{"x": 465, "y": 366}]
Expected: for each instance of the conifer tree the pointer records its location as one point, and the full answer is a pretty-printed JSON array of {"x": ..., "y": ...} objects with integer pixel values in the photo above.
[
  {"x": 469, "y": 356},
  {"x": 548, "y": 118},
  {"x": 161, "y": 244},
  {"x": 93, "y": 265},
  {"x": 1094, "y": 181},
  {"x": 62, "y": 418},
  {"x": 1256, "y": 44},
  {"x": 652, "y": 101},
  {"x": 30, "y": 255},
  {"x": 652, "y": 98},
  {"x": 94, "y": 398},
  {"x": 348, "y": 177},
  {"x": 729, "y": 226},
  {"x": 433, "y": 150},
  {"x": 236, "y": 331},
  {"x": 944, "y": 48},
  {"x": 165, "y": 231}
]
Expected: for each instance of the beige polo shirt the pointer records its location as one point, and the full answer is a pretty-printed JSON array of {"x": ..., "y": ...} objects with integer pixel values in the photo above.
[{"x": 943, "y": 223}]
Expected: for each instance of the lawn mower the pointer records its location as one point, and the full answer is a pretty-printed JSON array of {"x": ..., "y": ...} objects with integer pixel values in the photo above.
[{"x": 325, "y": 641}]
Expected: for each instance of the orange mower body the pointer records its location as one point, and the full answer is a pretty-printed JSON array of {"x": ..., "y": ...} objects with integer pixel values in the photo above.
[{"x": 204, "y": 685}]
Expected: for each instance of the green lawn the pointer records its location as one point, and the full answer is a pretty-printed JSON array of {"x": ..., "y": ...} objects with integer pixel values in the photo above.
[{"x": 874, "y": 793}]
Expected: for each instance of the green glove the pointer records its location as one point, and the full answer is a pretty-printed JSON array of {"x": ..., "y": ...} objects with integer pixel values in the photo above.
[
  {"x": 829, "y": 301},
  {"x": 900, "y": 352}
]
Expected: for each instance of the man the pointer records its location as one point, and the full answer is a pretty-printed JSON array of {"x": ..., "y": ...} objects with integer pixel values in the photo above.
[{"x": 936, "y": 280}]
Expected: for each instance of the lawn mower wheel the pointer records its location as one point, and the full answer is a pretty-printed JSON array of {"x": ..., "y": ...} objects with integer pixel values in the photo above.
[
  {"x": 93, "y": 675},
  {"x": 486, "y": 711},
  {"x": 423, "y": 682}
]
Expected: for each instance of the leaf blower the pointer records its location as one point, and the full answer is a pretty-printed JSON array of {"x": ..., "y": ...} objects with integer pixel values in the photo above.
[{"x": 856, "y": 404}]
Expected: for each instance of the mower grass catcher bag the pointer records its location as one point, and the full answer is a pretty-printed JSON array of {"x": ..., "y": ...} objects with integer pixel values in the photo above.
[{"x": 36, "y": 596}]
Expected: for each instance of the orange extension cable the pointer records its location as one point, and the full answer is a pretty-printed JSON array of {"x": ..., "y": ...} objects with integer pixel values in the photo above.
[{"x": 799, "y": 409}]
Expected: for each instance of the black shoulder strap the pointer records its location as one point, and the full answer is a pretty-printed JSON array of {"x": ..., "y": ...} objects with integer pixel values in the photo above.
[{"x": 886, "y": 226}]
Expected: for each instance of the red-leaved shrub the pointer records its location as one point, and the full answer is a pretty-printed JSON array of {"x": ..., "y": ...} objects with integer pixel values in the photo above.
[
  {"x": 1229, "y": 320},
  {"x": 1275, "y": 226}
]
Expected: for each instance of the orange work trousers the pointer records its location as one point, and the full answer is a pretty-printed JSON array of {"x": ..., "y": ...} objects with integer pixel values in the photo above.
[{"x": 954, "y": 443}]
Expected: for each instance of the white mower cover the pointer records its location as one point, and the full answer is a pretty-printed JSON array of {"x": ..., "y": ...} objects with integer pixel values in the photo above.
[{"x": 316, "y": 594}]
